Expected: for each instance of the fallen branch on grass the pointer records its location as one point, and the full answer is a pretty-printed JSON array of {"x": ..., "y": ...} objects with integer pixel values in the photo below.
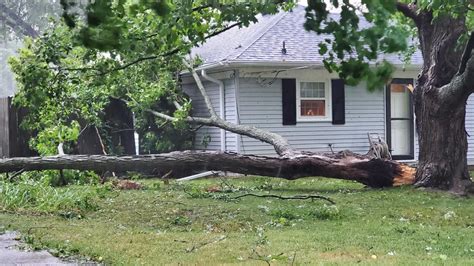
[
  {"x": 12, "y": 177},
  {"x": 200, "y": 245},
  {"x": 297, "y": 197}
]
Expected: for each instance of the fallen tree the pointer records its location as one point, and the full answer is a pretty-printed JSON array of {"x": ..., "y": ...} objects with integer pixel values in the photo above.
[
  {"x": 372, "y": 172},
  {"x": 369, "y": 169}
]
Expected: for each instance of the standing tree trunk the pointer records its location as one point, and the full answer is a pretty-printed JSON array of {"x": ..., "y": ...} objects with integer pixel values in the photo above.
[
  {"x": 443, "y": 143},
  {"x": 441, "y": 95}
]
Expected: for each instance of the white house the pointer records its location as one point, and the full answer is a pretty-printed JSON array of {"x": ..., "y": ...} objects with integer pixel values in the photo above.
[{"x": 251, "y": 81}]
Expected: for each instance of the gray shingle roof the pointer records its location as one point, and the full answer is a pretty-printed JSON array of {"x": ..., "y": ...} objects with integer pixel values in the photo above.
[{"x": 261, "y": 42}]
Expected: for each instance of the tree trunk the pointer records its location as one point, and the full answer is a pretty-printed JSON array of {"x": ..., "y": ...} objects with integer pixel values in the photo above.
[
  {"x": 443, "y": 143},
  {"x": 369, "y": 171},
  {"x": 440, "y": 95}
]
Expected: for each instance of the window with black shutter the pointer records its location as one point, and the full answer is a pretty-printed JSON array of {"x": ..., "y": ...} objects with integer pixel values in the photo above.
[{"x": 313, "y": 101}]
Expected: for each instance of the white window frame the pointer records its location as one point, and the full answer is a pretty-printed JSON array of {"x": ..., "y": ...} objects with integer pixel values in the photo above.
[{"x": 327, "y": 98}]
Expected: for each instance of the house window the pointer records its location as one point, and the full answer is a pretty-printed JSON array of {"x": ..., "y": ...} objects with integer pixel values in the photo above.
[{"x": 313, "y": 101}]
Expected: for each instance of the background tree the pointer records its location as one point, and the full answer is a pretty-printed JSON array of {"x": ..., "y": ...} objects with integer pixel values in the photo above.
[
  {"x": 27, "y": 17},
  {"x": 20, "y": 19}
]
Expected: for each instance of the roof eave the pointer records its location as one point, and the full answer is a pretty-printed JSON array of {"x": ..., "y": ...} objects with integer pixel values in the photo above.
[{"x": 262, "y": 63}]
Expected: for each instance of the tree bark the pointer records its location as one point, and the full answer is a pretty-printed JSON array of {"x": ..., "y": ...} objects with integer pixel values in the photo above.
[
  {"x": 441, "y": 94},
  {"x": 368, "y": 171},
  {"x": 443, "y": 145}
]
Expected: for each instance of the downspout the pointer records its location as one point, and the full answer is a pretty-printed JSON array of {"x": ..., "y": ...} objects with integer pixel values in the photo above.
[
  {"x": 221, "y": 102},
  {"x": 238, "y": 138}
]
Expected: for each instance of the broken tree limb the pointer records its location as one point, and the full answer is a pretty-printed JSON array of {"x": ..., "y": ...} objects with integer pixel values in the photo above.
[
  {"x": 200, "y": 245},
  {"x": 296, "y": 197},
  {"x": 369, "y": 171},
  {"x": 279, "y": 143}
]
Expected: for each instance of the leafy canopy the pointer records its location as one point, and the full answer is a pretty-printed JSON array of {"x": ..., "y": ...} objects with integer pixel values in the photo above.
[{"x": 130, "y": 50}]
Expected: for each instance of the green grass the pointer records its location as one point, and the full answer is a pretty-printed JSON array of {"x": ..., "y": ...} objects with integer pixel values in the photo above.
[
  {"x": 185, "y": 224},
  {"x": 37, "y": 196}
]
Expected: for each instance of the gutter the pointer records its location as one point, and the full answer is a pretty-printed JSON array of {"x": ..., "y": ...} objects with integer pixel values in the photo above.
[
  {"x": 221, "y": 102},
  {"x": 269, "y": 63},
  {"x": 303, "y": 64}
]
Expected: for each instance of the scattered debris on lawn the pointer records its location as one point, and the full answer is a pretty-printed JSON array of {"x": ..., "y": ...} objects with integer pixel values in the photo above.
[{"x": 127, "y": 185}]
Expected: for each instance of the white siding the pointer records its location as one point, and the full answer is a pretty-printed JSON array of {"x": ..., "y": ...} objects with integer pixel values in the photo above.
[
  {"x": 470, "y": 129},
  {"x": 262, "y": 107},
  {"x": 200, "y": 110},
  {"x": 417, "y": 147}
]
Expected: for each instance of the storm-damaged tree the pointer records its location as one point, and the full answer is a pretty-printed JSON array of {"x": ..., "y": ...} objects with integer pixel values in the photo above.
[{"x": 150, "y": 39}]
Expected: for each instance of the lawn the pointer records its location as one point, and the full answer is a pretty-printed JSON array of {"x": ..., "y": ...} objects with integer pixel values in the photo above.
[{"x": 199, "y": 222}]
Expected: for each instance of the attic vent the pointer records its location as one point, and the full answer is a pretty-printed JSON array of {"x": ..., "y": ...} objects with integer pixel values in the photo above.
[{"x": 283, "y": 50}]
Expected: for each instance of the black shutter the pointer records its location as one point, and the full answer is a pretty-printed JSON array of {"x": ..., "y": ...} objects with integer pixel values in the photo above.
[
  {"x": 338, "y": 102},
  {"x": 289, "y": 101}
]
